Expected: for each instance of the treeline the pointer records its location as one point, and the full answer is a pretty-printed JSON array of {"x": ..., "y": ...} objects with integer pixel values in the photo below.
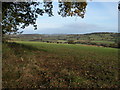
[
  {"x": 112, "y": 45},
  {"x": 107, "y": 36}
]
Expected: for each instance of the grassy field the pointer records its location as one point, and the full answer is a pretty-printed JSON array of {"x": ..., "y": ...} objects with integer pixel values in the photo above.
[
  {"x": 106, "y": 42},
  {"x": 38, "y": 64}
]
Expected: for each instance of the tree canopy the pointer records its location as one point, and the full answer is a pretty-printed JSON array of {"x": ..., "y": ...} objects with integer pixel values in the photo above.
[
  {"x": 17, "y": 15},
  {"x": 119, "y": 6}
]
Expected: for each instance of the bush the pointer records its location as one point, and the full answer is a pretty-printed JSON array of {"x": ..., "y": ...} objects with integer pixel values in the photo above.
[
  {"x": 114, "y": 45},
  {"x": 71, "y": 42}
]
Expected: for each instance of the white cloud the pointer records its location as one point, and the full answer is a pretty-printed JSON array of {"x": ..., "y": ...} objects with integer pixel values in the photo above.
[
  {"x": 74, "y": 28},
  {"x": 48, "y": 25},
  {"x": 78, "y": 28}
]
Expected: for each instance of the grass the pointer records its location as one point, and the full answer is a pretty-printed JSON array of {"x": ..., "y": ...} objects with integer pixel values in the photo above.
[
  {"x": 106, "y": 42},
  {"x": 37, "y": 64}
]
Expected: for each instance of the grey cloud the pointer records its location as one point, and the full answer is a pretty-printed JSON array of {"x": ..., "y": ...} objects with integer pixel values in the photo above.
[{"x": 76, "y": 28}]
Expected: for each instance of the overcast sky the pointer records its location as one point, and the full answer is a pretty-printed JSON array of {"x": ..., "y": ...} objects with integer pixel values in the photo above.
[{"x": 99, "y": 17}]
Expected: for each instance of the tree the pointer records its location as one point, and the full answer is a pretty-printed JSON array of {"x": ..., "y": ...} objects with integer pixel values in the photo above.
[
  {"x": 16, "y": 14},
  {"x": 119, "y": 6},
  {"x": 72, "y": 9},
  {"x": 71, "y": 42},
  {"x": 22, "y": 14}
]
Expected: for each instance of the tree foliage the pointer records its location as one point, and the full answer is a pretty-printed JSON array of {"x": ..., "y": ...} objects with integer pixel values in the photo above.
[
  {"x": 22, "y": 14},
  {"x": 119, "y": 6},
  {"x": 72, "y": 9}
]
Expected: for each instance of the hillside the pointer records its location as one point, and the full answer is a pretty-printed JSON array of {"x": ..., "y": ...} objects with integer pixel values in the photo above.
[
  {"x": 45, "y": 65},
  {"x": 105, "y": 39},
  {"x": 90, "y": 36}
]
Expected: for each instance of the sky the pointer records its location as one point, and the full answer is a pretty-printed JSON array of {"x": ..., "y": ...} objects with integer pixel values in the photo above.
[{"x": 99, "y": 17}]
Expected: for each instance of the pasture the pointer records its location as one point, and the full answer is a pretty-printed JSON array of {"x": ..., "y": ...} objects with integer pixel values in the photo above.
[{"x": 40, "y": 64}]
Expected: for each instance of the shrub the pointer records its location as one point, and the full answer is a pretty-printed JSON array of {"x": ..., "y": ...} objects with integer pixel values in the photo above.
[
  {"x": 114, "y": 45},
  {"x": 71, "y": 42}
]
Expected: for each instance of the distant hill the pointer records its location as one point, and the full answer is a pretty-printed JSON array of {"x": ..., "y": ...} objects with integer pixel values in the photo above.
[
  {"x": 96, "y": 38},
  {"x": 106, "y": 36}
]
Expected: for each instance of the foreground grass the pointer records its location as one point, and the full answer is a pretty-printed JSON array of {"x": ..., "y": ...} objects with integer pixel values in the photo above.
[{"x": 36, "y": 64}]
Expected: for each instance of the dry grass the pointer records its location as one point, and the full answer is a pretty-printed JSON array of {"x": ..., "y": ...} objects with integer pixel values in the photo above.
[{"x": 29, "y": 67}]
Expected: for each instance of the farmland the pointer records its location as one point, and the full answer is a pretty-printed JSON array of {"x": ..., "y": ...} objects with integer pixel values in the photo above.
[
  {"x": 68, "y": 44},
  {"x": 41, "y": 65},
  {"x": 105, "y": 39}
]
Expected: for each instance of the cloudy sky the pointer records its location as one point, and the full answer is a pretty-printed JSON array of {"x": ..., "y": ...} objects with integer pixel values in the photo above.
[{"x": 99, "y": 17}]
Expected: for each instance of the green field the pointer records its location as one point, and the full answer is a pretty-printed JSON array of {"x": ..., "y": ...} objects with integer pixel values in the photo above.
[
  {"x": 105, "y": 39},
  {"x": 106, "y": 42},
  {"x": 38, "y": 64}
]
